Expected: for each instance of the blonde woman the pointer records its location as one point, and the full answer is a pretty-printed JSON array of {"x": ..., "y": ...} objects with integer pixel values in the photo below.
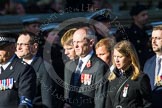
[{"x": 128, "y": 86}]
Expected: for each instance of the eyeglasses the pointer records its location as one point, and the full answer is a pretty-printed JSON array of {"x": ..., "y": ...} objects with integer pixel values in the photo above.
[{"x": 22, "y": 44}]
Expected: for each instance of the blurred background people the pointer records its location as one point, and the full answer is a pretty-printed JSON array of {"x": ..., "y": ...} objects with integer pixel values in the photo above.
[
  {"x": 20, "y": 8},
  {"x": 128, "y": 86},
  {"x": 99, "y": 4},
  {"x": 102, "y": 23},
  {"x": 153, "y": 66},
  {"x": 57, "y": 6},
  {"x": 96, "y": 5},
  {"x": 32, "y": 25},
  {"x": 52, "y": 52},
  {"x": 136, "y": 33}
]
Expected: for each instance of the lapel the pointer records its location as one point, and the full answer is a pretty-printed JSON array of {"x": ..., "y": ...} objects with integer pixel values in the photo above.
[
  {"x": 36, "y": 63},
  {"x": 71, "y": 66},
  {"x": 151, "y": 71},
  {"x": 87, "y": 72},
  {"x": 10, "y": 69},
  {"x": 88, "y": 69}
]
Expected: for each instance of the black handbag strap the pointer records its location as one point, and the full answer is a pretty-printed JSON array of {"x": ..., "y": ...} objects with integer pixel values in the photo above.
[{"x": 116, "y": 100}]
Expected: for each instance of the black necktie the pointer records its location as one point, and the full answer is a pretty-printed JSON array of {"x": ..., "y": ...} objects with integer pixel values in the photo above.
[{"x": 77, "y": 72}]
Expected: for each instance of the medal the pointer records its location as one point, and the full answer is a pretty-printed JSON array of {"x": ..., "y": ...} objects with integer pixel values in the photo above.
[
  {"x": 3, "y": 84},
  {"x": 89, "y": 79},
  {"x": 11, "y": 83},
  {"x": 125, "y": 90},
  {"x": 85, "y": 79},
  {"x": 82, "y": 78},
  {"x": 6, "y": 84}
]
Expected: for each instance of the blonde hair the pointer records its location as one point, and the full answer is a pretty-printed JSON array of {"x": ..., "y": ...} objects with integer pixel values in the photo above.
[
  {"x": 127, "y": 49},
  {"x": 107, "y": 42},
  {"x": 67, "y": 38},
  {"x": 159, "y": 27}
]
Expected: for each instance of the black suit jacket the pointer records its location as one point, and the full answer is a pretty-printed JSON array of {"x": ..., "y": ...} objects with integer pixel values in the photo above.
[
  {"x": 82, "y": 95},
  {"x": 24, "y": 84},
  {"x": 45, "y": 85}
]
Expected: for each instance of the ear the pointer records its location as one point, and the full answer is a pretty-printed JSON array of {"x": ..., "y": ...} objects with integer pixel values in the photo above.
[
  {"x": 35, "y": 45},
  {"x": 134, "y": 17},
  {"x": 92, "y": 42},
  {"x": 34, "y": 48}
]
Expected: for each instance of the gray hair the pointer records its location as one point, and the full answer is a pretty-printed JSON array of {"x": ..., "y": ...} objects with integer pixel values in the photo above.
[{"x": 90, "y": 33}]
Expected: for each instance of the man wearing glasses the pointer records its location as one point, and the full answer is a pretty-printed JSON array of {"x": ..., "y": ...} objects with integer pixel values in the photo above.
[
  {"x": 27, "y": 48},
  {"x": 153, "y": 66},
  {"x": 17, "y": 79}
]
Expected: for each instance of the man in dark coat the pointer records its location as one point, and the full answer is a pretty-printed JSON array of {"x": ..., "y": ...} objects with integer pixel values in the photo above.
[
  {"x": 27, "y": 47},
  {"x": 84, "y": 83},
  {"x": 153, "y": 66},
  {"x": 136, "y": 33},
  {"x": 17, "y": 79}
]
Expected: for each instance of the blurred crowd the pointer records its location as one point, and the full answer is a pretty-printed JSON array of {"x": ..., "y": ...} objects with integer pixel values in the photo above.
[{"x": 21, "y": 7}]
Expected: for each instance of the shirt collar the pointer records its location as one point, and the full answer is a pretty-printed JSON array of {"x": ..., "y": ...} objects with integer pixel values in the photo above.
[
  {"x": 86, "y": 58},
  {"x": 8, "y": 63},
  {"x": 159, "y": 56},
  {"x": 30, "y": 61}
]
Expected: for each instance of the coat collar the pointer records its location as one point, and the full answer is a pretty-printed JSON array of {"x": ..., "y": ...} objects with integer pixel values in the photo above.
[
  {"x": 10, "y": 69},
  {"x": 127, "y": 73}
]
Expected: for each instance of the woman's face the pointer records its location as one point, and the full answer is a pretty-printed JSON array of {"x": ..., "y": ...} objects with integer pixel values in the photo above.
[{"x": 121, "y": 61}]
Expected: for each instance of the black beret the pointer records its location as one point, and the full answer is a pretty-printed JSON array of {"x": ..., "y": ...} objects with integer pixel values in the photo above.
[
  {"x": 32, "y": 20},
  {"x": 137, "y": 9},
  {"x": 102, "y": 15},
  {"x": 6, "y": 38}
]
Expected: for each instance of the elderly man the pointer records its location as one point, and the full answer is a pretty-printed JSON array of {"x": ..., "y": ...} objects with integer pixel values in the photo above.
[
  {"x": 84, "y": 77},
  {"x": 17, "y": 79}
]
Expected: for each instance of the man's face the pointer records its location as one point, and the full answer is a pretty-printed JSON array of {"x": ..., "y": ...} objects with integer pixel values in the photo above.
[
  {"x": 103, "y": 54},
  {"x": 33, "y": 28},
  {"x": 23, "y": 46},
  {"x": 6, "y": 53},
  {"x": 82, "y": 45},
  {"x": 157, "y": 41},
  {"x": 142, "y": 17}
]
